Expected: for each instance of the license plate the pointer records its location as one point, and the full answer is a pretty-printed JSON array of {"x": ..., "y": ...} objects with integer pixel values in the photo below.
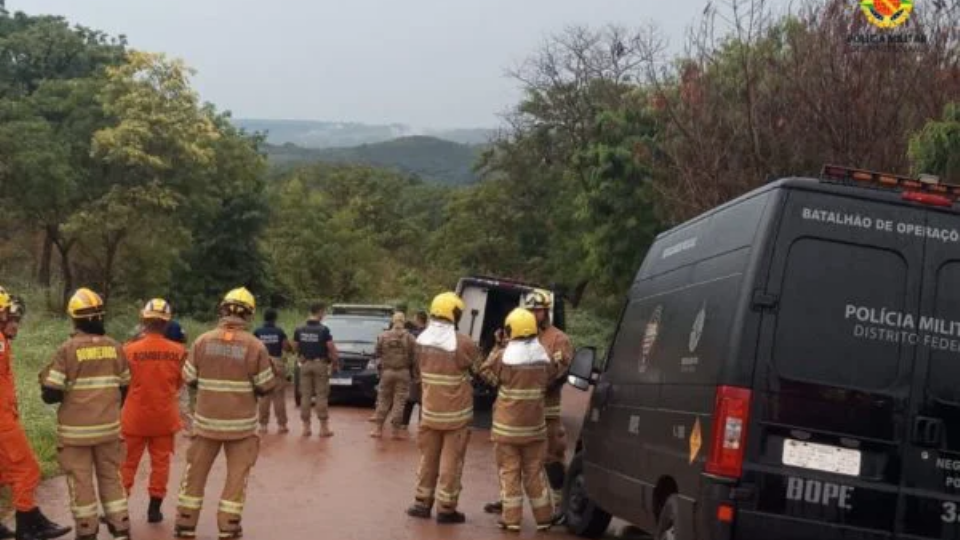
[
  {"x": 821, "y": 457},
  {"x": 341, "y": 381}
]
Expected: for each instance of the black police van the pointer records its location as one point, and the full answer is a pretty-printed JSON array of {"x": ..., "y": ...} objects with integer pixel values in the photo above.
[{"x": 787, "y": 366}]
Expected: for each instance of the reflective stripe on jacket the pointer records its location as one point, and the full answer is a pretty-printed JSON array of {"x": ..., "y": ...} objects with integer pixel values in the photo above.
[
  {"x": 228, "y": 365},
  {"x": 90, "y": 370}
]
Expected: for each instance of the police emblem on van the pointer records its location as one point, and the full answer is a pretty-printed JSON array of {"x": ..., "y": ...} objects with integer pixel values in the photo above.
[
  {"x": 697, "y": 329},
  {"x": 650, "y": 337}
]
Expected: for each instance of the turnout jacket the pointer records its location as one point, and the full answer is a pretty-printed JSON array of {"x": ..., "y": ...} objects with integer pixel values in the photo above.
[
  {"x": 560, "y": 349},
  {"x": 229, "y": 367},
  {"x": 89, "y": 370},
  {"x": 522, "y": 371},
  {"x": 444, "y": 363}
]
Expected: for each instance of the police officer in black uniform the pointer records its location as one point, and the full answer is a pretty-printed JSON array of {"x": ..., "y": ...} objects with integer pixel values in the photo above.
[
  {"x": 318, "y": 360},
  {"x": 275, "y": 339}
]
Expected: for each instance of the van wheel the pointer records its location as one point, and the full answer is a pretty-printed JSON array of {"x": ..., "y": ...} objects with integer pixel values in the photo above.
[
  {"x": 669, "y": 526},
  {"x": 584, "y": 517}
]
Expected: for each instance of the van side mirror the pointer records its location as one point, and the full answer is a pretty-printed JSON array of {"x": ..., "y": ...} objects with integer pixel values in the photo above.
[{"x": 581, "y": 371}]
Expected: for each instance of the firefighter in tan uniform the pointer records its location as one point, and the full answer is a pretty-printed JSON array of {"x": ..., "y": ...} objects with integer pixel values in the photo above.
[
  {"x": 560, "y": 349},
  {"x": 395, "y": 349},
  {"x": 89, "y": 378},
  {"x": 444, "y": 361},
  {"x": 522, "y": 371},
  {"x": 230, "y": 368}
]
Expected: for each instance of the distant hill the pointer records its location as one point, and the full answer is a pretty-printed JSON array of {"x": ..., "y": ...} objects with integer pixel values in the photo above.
[
  {"x": 314, "y": 134},
  {"x": 433, "y": 159}
]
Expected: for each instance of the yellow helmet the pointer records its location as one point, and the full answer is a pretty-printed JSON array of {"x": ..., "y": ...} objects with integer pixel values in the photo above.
[
  {"x": 5, "y": 300},
  {"x": 447, "y": 306},
  {"x": 85, "y": 304},
  {"x": 520, "y": 324},
  {"x": 158, "y": 308},
  {"x": 536, "y": 299},
  {"x": 239, "y": 301}
]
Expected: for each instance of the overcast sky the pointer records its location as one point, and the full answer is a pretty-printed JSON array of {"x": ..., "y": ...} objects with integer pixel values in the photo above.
[{"x": 428, "y": 63}]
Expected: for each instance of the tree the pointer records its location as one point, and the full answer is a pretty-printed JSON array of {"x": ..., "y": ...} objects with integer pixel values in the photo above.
[
  {"x": 936, "y": 148},
  {"x": 50, "y": 73},
  {"x": 781, "y": 95}
]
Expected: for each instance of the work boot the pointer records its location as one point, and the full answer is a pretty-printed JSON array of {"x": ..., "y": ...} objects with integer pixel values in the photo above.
[
  {"x": 451, "y": 518},
  {"x": 263, "y": 429},
  {"x": 560, "y": 518},
  {"x": 6, "y": 533},
  {"x": 399, "y": 433},
  {"x": 512, "y": 527},
  {"x": 153, "y": 512},
  {"x": 231, "y": 534},
  {"x": 306, "y": 429},
  {"x": 419, "y": 511},
  {"x": 184, "y": 532},
  {"x": 325, "y": 429},
  {"x": 33, "y": 525},
  {"x": 377, "y": 431},
  {"x": 493, "y": 508},
  {"x": 283, "y": 430}
]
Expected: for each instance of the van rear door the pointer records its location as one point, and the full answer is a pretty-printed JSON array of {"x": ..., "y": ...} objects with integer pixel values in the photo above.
[
  {"x": 931, "y": 462},
  {"x": 833, "y": 375}
]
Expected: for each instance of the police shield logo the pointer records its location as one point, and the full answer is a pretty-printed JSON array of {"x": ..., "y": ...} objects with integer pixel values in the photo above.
[
  {"x": 650, "y": 337},
  {"x": 697, "y": 331}
]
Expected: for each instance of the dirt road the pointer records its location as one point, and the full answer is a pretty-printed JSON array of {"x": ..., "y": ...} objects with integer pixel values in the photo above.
[{"x": 349, "y": 487}]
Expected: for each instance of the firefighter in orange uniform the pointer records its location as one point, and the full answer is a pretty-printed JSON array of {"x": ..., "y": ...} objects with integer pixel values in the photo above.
[
  {"x": 18, "y": 465},
  {"x": 150, "y": 417},
  {"x": 230, "y": 368},
  {"x": 444, "y": 361},
  {"x": 89, "y": 378},
  {"x": 522, "y": 371}
]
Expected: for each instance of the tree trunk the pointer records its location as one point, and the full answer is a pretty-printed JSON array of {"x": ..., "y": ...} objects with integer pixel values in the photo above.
[
  {"x": 113, "y": 246},
  {"x": 46, "y": 256},
  {"x": 66, "y": 270}
]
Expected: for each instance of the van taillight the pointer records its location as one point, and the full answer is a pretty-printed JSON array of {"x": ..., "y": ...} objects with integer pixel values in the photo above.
[{"x": 730, "y": 418}]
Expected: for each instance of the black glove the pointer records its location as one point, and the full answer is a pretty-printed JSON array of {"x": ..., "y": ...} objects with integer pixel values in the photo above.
[{"x": 51, "y": 395}]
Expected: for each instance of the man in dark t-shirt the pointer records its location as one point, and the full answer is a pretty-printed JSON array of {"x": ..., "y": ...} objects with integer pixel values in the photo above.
[
  {"x": 318, "y": 359},
  {"x": 276, "y": 342}
]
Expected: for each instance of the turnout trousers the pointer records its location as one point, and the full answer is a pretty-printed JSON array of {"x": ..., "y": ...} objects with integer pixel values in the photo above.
[
  {"x": 314, "y": 382},
  {"x": 241, "y": 457},
  {"x": 442, "y": 453},
  {"x": 520, "y": 468},
  {"x": 92, "y": 469},
  {"x": 19, "y": 468},
  {"x": 556, "y": 459},
  {"x": 392, "y": 396},
  {"x": 161, "y": 449}
]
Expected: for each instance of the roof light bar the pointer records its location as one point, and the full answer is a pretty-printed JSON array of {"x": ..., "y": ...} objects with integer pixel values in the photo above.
[{"x": 920, "y": 189}]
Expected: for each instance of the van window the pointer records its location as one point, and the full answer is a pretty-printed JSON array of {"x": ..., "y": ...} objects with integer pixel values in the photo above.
[
  {"x": 945, "y": 352},
  {"x": 815, "y": 341}
]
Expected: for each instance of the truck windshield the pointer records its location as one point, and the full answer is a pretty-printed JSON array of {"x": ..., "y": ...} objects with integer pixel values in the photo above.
[{"x": 356, "y": 329}]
